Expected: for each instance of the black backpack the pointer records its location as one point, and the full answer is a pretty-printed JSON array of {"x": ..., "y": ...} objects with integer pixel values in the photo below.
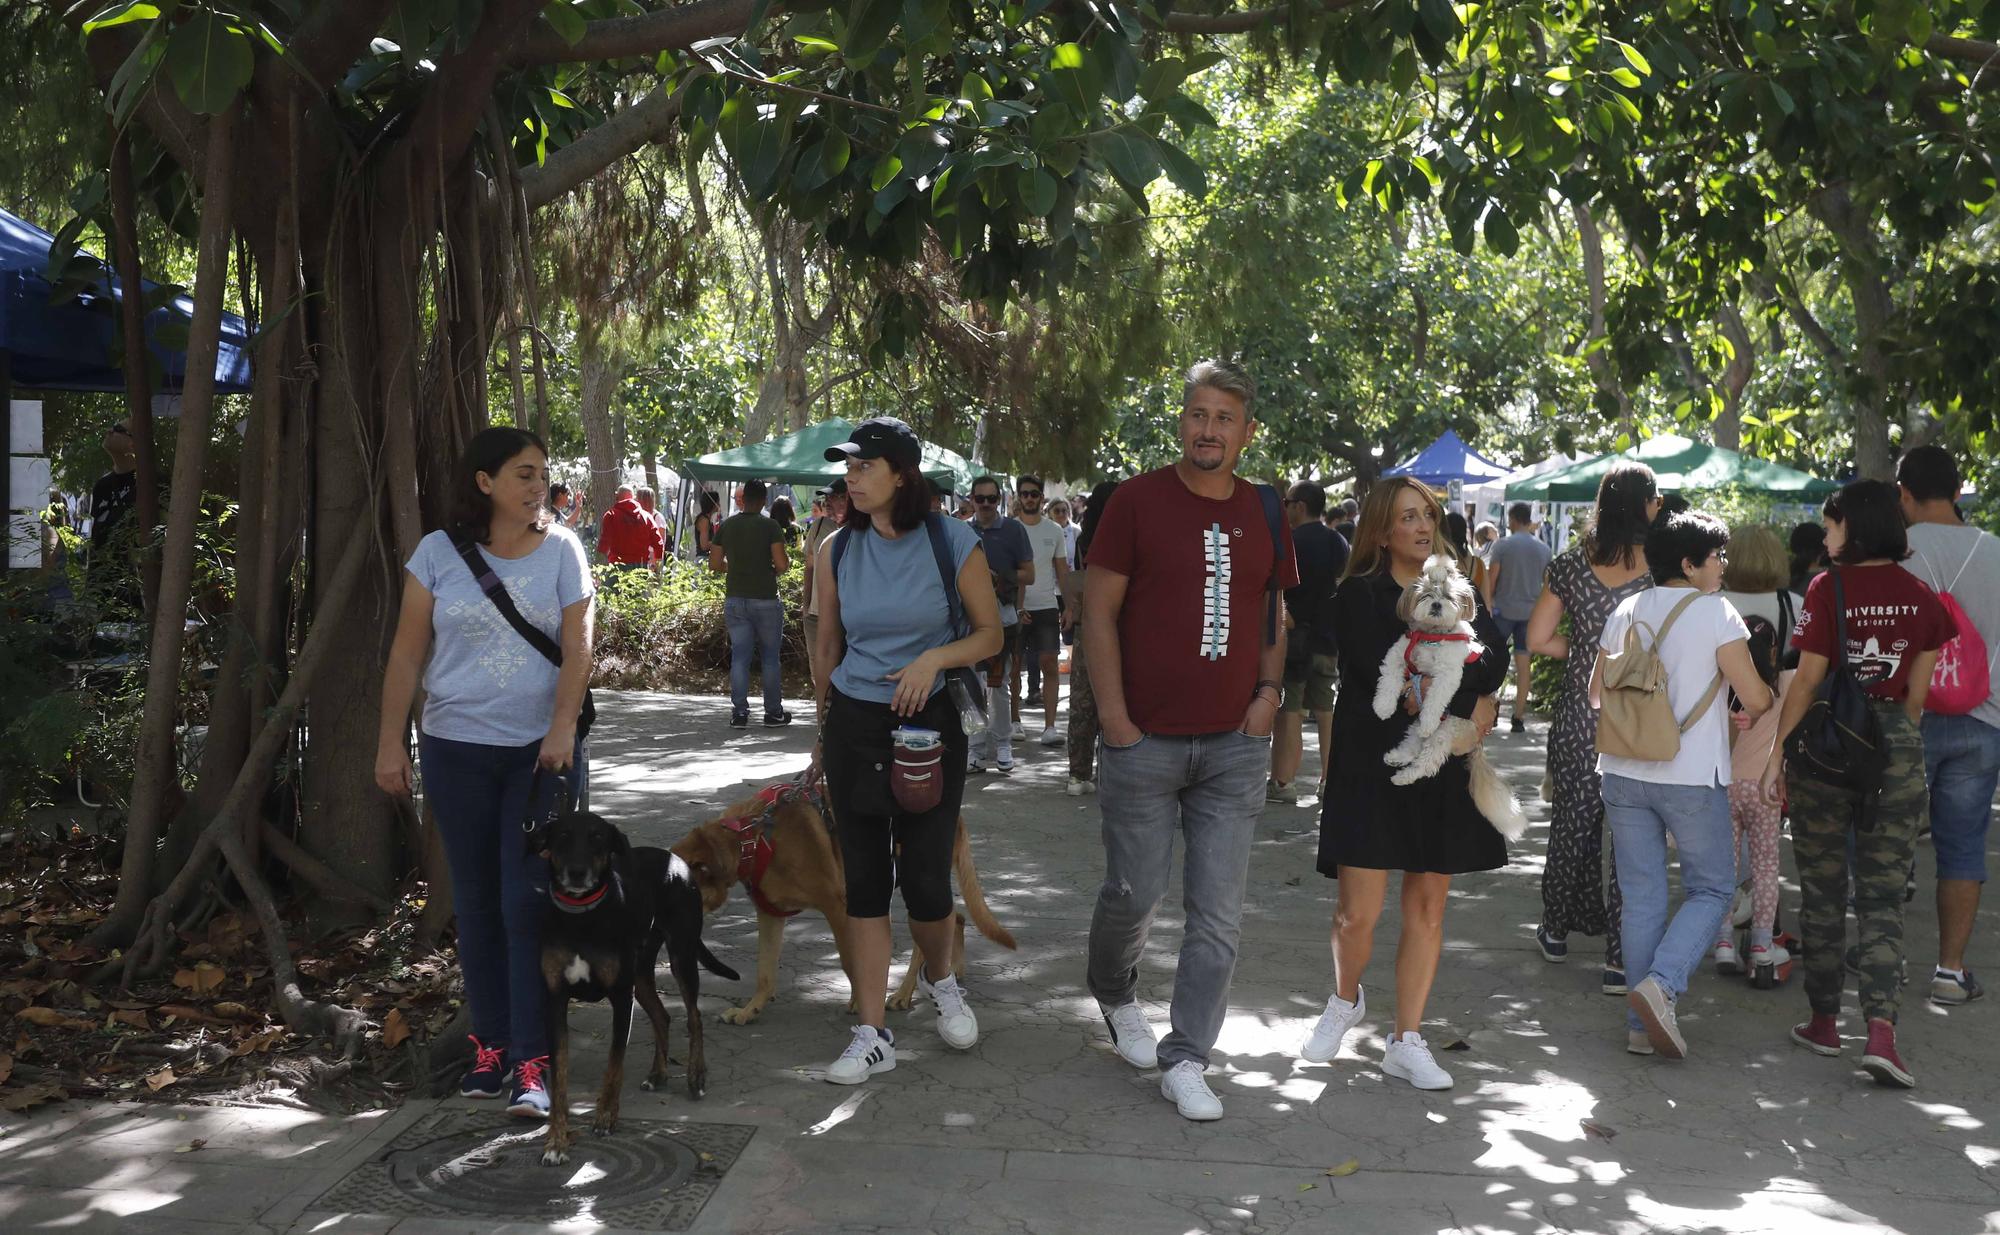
[{"x": 1839, "y": 742}]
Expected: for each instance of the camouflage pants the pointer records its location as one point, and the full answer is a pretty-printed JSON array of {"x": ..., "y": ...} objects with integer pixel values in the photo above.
[{"x": 1822, "y": 819}]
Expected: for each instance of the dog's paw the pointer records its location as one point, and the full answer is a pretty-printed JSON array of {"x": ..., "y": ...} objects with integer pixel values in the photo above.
[
  {"x": 554, "y": 1157},
  {"x": 902, "y": 1003},
  {"x": 698, "y": 1084},
  {"x": 1398, "y": 757},
  {"x": 652, "y": 1083},
  {"x": 604, "y": 1123},
  {"x": 739, "y": 1016}
]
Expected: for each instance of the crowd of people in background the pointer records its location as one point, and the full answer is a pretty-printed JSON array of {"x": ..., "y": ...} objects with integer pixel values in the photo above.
[{"x": 1199, "y": 620}]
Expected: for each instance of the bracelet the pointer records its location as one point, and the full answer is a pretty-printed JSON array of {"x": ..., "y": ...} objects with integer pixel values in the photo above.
[{"x": 1263, "y": 682}]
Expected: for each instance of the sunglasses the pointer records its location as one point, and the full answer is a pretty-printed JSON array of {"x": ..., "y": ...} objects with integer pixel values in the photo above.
[
  {"x": 1031, "y": 492},
  {"x": 986, "y": 499},
  {"x": 119, "y": 428}
]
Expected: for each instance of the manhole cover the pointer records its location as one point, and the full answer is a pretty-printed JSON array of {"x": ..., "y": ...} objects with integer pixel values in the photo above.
[{"x": 649, "y": 1175}]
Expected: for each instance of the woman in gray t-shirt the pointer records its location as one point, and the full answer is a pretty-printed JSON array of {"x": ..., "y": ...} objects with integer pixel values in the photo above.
[{"x": 495, "y": 711}]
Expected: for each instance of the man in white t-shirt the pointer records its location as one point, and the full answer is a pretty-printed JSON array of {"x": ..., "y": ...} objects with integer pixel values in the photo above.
[
  {"x": 1041, "y": 610},
  {"x": 1961, "y": 751}
]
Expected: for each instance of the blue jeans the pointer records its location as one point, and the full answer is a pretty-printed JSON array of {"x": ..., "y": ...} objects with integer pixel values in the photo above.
[
  {"x": 1640, "y": 815},
  {"x": 1210, "y": 789},
  {"x": 479, "y": 795},
  {"x": 758, "y": 625},
  {"x": 1961, "y": 766}
]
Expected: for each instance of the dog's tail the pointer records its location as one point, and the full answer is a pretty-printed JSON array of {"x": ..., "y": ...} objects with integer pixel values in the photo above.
[
  {"x": 968, "y": 886},
  {"x": 1493, "y": 797},
  {"x": 716, "y": 967}
]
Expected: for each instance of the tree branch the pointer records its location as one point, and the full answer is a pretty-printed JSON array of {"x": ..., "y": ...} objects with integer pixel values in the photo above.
[
  {"x": 332, "y": 35},
  {"x": 642, "y": 123},
  {"x": 1238, "y": 22},
  {"x": 616, "y": 38}
]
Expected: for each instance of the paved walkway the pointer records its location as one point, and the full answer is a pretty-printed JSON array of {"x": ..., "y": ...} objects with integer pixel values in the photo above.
[{"x": 1040, "y": 1128}]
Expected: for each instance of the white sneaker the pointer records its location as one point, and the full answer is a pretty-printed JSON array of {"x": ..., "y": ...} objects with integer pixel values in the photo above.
[
  {"x": 1077, "y": 788},
  {"x": 1637, "y": 1043},
  {"x": 1340, "y": 1016},
  {"x": 1132, "y": 1036},
  {"x": 1020, "y": 732},
  {"x": 1004, "y": 760},
  {"x": 1050, "y": 737},
  {"x": 1409, "y": 1058},
  {"x": 955, "y": 1022},
  {"x": 1183, "y": 1086},
  {"x": 1727, "y": 961},
  {"x": 869, "y": 1052}
]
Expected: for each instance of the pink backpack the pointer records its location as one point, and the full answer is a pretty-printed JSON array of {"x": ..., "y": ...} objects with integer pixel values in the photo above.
[{"x": 1963, "y": 678}]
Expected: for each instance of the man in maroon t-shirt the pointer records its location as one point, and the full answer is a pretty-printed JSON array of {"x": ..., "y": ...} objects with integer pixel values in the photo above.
[{"x": 1185, "y": 661}]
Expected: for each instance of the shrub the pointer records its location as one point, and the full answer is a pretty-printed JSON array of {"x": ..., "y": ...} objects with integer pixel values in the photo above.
[{"x": 666, "y": 632}]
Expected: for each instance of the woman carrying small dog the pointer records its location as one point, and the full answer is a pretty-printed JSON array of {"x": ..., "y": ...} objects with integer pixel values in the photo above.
[
  {"x": 495, "y": 710},
  {"x": 1702, "y": 643},
  {"x": 885, "y": 642},
  {"x": 1429, "y": 830}
]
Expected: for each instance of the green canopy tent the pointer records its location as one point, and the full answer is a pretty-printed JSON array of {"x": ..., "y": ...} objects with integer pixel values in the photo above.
[
  {"x": 800, "y": 459},
  {"x": 1680, "y": 464}
]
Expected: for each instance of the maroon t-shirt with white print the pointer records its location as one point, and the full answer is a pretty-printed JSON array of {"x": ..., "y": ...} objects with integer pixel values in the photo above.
[
  {"x": 1192, "y": 627},
  {"x": 1891, "y": 616}
]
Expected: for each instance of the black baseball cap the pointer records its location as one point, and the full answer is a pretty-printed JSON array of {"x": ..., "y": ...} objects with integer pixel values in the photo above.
[
  {"x": 837, "y": 489},
  {"x": 879, "y": 437}
]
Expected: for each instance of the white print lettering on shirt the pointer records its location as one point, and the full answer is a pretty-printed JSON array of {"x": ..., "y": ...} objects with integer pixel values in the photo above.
[
  {"x": 1215, "y": 592},
  {"x": 1871, "y": 662}
]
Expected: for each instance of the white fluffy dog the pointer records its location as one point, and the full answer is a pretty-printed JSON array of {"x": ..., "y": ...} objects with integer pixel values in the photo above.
[{"x": 1438, "y": 608}]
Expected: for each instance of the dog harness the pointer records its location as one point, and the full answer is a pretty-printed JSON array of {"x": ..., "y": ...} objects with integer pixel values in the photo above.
[
  {"x": 1418, "y": 680},
  {"x": 753, "y": 839}
]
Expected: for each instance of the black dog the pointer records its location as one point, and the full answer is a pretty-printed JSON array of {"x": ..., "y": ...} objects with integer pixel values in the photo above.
[{"x": 611, "y": 907}]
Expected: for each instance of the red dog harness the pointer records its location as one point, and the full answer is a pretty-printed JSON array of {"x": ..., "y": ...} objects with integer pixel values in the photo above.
[
  {"x": 1417, "y": 679},
  {"x": 753, "y": 841}
]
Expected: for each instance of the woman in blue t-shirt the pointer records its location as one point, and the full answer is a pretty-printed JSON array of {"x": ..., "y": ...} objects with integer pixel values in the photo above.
[
  {"x": 885, "y": 642},
  {"x": 495, "y": 710}
]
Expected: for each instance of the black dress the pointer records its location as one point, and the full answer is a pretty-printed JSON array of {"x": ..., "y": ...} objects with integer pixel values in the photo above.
[{"x": 1367, "y": 822}]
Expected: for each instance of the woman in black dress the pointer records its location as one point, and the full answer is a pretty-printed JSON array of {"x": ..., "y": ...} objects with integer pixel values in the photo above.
[{"x": 1429, "y": 830}]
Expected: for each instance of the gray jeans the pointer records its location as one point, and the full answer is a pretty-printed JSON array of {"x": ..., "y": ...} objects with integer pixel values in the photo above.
[{"x": 1210, "y": 788}]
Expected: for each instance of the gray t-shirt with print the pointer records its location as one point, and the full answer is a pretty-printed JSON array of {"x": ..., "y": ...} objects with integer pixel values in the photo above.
[
  {"x": 1965, "y": 562},
  {"x": 485, "y": 683}
]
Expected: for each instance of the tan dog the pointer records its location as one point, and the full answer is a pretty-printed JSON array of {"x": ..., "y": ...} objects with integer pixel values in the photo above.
[{"x": 806, "y": 872}]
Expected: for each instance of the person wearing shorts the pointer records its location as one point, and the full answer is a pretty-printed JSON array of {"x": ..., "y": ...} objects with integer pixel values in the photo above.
[
  {"x": 1514, "y": 571},
  {"x": 1010, "y": 557},
  {"x": 1310, "y": 661}
]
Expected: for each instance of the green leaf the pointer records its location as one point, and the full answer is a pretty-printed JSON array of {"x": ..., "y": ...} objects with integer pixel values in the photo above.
[
  {"x": 868, "y": 25},
  {"x": 120, "y": 14},
  {"x": 754, "y": 137},
  {"x": 209, "y": 62},
  {"x": 886, "y": 170},
  {"x": 815, "y": 45},
  {"x": 1562, "y": 72},
  {"x": 822, "y": 161},
  {"x": 1129, "y": 157},
  {"x": 1036, "y": 191},
  {"x": 1624, "y": 77},
  {"x": 1501, "y": 236},
  {"x": 569, "y": 24},
  {"x": 1161, "y": 78},
  {"x": 1067, "y": 56},
  {"x": 1637, "y": 61},
  {"x": 975, "y": 89},
  {"x": 1186, "y": 174}
]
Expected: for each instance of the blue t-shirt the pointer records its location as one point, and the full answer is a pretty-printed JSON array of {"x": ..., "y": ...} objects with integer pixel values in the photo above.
[
  {"x": 485, "y": 683},
  {"x": 1007, "y": 546},
  {"x": 892, "y": 606}
]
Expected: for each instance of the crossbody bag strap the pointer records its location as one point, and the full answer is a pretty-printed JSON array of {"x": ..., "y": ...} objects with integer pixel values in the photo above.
[
  {"x": 941, "y": 550},
  {"x": 496, "y": 591}
]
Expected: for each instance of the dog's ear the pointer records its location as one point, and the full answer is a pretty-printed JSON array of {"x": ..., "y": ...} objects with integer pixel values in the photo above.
[
  {"x": 621, "y": 849},
  {"x": 1406, "y": 604},
  {"x": 536, "y": 841}
]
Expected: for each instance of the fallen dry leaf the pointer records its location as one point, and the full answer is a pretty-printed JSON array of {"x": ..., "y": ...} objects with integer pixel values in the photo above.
[
  {"x": 49, "y": 1018},
  {"x": 192, "y": 1145},
  {"x": 258, "y": 1043},
  {"x": 1597, "y": 1129},
  {"x": 161, "y": 1079},
  {"x": 1307, "y": 1187},
  {"x": 234, "y": 1011},
  {"x": 395, "y": 1030},
  {"x": 1457, "y": 1044},
  {"x": 201, "y": 979},
  {"x": 128, "y": 1016},
  {"x": 6, "y": 1068},
  {"x": 1344, "y": 1169},
  {"x": 21, "y": 1098}
]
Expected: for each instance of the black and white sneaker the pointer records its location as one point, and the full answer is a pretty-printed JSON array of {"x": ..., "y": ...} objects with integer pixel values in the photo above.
[
  {"x": 777, "y": 719},
  {"x": 869, "y": 1052},
  {"x": 739, "y": 720}
]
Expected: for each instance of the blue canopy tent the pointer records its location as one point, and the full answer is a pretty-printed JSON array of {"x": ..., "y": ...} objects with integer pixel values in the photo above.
[
  {"x": 1448, "y": 459},
  {"x": 72, "y": 346}
]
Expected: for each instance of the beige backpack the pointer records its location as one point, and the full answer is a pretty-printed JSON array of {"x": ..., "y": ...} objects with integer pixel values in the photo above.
[{"x": 1636, "y": 719}]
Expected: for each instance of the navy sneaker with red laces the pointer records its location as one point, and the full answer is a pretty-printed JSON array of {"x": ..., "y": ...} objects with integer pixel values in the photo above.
[{"x": 489, "y": 1071}]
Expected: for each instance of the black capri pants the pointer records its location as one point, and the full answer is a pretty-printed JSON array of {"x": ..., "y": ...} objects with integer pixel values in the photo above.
[{"x": 858, "y": 748}]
